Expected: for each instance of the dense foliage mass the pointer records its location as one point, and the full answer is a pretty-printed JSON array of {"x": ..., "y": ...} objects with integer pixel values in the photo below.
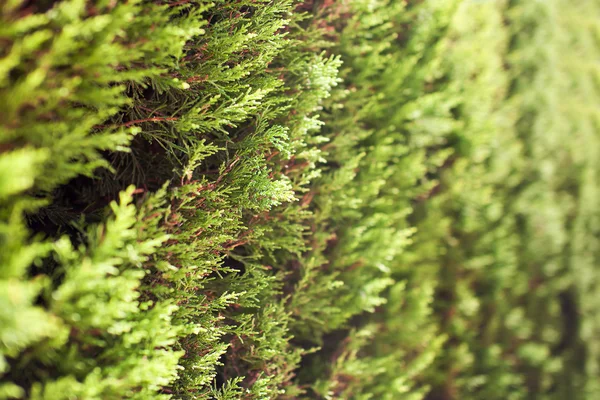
[{"x": 256, "y": 199}]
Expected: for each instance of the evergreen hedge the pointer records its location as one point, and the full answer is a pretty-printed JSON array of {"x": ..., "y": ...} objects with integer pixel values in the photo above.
[{"x": 255, "y": 199}]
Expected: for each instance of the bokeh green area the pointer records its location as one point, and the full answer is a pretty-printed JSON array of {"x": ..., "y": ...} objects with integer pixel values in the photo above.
[{"x": 280, "y": 199}]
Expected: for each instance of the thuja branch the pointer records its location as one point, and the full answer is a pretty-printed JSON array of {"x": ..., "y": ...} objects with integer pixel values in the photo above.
[{"x": 139, "y": 121}]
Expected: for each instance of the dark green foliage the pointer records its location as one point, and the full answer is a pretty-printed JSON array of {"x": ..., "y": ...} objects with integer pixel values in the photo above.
[{"x": 255, "y": 199}]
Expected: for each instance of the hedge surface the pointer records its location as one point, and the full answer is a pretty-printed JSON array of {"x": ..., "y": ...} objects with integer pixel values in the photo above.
[{"x": 257, "y": 199}]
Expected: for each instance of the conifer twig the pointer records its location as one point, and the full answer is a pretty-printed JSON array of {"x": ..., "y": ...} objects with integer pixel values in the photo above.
[{"x": 139, "y": 121}]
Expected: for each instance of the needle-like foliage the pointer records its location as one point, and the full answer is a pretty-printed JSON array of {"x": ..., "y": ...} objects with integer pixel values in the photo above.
[{"x": 258, "y": 199}]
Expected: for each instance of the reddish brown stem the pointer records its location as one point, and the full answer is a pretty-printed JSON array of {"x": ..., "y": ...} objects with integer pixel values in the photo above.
[
  {"x": 178, "y": 3},
  {"x": 139, "y": 121}
]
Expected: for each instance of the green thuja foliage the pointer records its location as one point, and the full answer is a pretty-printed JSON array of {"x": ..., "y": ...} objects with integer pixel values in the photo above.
[
  {"x": 561, "y": 253},
  {"x": 71, "y": 307},
  {"x": 216, "y": 124},
  {"x": 84, "y": 330},
  {"x": 257, "y": 199},
  {"x": 486, "y": 224}
]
